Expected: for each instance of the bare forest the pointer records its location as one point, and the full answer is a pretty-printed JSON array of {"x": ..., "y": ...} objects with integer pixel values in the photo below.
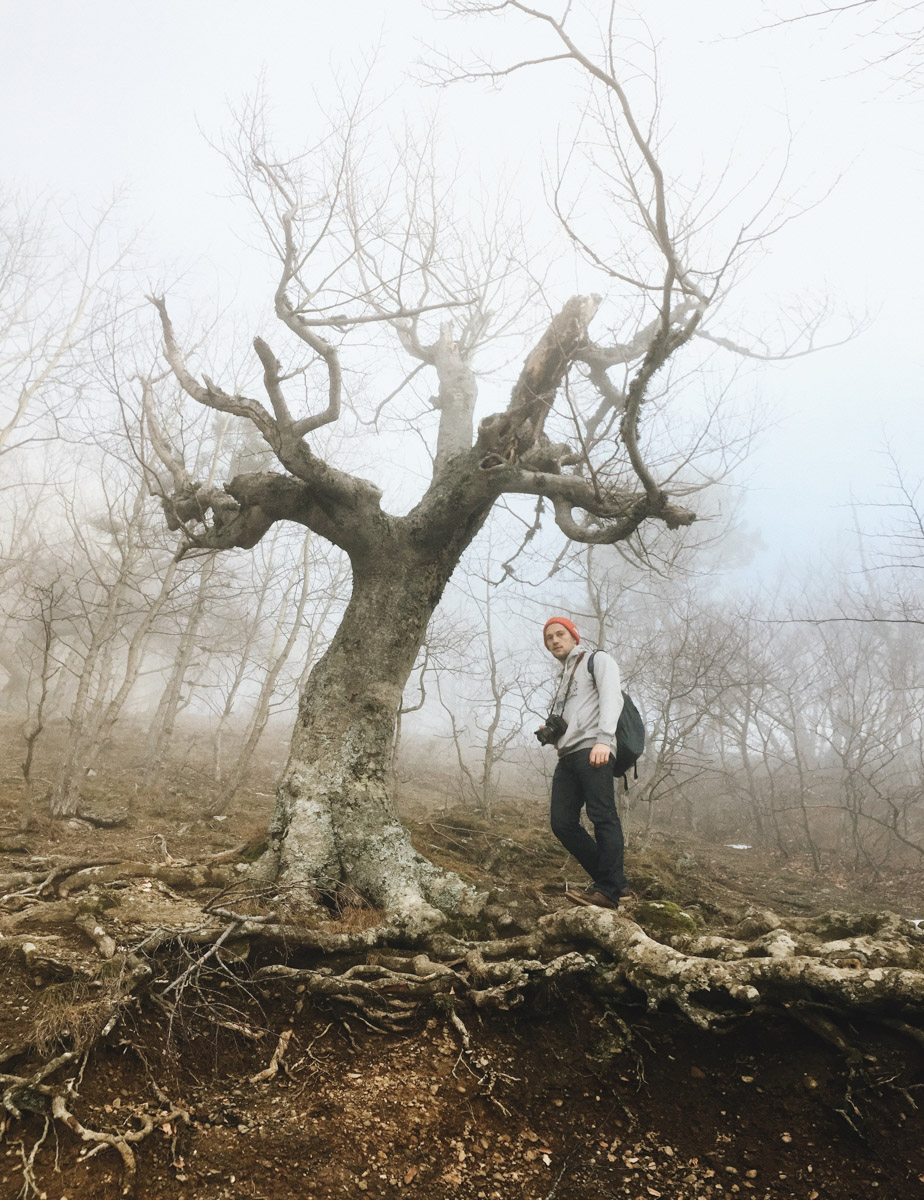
[{"x": 272, "y": 584}]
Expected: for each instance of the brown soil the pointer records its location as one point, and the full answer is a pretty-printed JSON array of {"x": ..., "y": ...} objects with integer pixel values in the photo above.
[{"x": 568, "y": 1097}]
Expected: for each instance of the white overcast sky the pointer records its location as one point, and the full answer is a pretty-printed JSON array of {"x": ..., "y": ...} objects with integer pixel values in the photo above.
[{"x": 102, "y": 95}]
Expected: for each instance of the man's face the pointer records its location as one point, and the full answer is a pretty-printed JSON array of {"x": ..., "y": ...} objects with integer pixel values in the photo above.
[{"x": 558, "y": 641}]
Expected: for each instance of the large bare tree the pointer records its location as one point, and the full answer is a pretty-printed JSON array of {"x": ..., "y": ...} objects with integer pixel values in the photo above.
[{"x": 368, "y": 248}]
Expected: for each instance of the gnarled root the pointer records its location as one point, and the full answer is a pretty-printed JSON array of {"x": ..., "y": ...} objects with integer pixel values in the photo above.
[
  {"x": 31, "y": 1094},
  {"x": 121, "y": 1142},
  {"x": 383, "y": 996},
  {"x": 384, "y": 975}
]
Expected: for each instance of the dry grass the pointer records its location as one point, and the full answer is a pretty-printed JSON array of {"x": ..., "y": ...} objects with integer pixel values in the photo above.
[
  {"x": 73, "y": 1015},
  {"x": 351, "y": 913}
]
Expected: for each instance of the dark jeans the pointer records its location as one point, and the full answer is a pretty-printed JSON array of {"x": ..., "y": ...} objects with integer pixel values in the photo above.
[{"x": 576, "y": 785}]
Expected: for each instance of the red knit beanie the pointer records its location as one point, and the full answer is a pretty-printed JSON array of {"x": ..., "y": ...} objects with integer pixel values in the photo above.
[{"x": 569, "y": 625}]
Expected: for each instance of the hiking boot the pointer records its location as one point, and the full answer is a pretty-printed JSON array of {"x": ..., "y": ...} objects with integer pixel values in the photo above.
[{"x": 592, "y": 899}]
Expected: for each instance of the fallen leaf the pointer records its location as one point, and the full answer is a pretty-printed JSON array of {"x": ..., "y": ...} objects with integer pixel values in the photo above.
[{"x": 410, "y": 1173}]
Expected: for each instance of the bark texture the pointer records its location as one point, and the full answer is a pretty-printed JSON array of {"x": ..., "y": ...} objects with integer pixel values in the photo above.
[{"x": 334, "y": 822}]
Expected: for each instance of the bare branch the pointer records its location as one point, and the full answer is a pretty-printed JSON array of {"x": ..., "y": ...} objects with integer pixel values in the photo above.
[
  {"x": 211, "y": 395},
  {"x": 783, "y": 355},
  {"x": 613, "y": 515},
  {"x": 511, "y": 434}
]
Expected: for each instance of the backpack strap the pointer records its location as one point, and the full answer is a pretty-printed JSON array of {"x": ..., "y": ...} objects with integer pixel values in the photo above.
[
  {"x": 568, "y": 688},
  {"x": 625, "y": 698}
]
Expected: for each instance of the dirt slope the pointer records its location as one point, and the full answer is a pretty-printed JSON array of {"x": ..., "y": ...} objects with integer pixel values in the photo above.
[{"x": 566, "y": 1097}]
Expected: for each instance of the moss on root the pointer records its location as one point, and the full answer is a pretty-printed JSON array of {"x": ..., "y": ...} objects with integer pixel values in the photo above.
[{"x": 664, "y": 919}]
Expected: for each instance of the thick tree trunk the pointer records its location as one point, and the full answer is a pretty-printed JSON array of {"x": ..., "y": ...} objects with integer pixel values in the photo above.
[{"x": 334, "y": 822}]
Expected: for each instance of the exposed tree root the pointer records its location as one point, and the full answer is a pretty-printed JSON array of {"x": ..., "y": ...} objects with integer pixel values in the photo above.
[
  {"x": 123, "y": 1141},
  {"x": 278, "y": 1054},
  {"x": 478, "y": 1064},
  {"x": 43, "y": 883},
  {"x": 824, "y": 1027},
  {"x": 875, "y": 969},
  {"x": 30, "y": 1093},
  {"x": 814, "y": 970},
  {"x": 64, "y": 879},
  {"x": 103, "y": 820}
]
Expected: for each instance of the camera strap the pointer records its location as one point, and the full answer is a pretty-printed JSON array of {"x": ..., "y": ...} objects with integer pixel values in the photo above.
[{"x": 555, "y": 707}]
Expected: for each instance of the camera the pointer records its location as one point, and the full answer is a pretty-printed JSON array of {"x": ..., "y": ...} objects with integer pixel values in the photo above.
[{"x": 555, "y": 725}]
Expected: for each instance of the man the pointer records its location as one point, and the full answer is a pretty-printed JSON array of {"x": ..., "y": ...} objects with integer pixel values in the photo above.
[{"x": 589, "y": 705}]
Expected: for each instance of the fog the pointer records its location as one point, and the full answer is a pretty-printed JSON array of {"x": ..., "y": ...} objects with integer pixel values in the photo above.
[{"x": 772, "y": 646}]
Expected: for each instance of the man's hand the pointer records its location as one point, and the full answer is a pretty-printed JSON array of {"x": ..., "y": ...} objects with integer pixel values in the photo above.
[{"x": 600, "y": 755}]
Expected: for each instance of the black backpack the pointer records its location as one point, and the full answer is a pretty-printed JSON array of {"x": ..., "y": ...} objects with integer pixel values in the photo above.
[{"x": 630, "y": 734}]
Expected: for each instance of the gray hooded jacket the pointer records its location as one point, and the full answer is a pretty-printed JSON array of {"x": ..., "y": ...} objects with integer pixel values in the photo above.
[{"x": 592, "y": 709}]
